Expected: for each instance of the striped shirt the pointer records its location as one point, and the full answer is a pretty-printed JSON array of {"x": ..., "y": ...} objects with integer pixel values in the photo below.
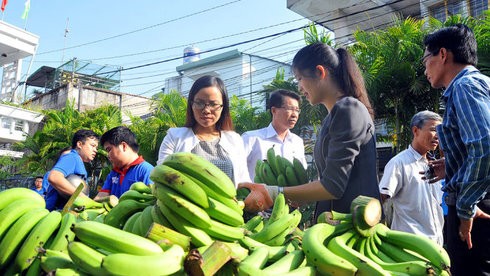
[{"x": 464, "y": 136}]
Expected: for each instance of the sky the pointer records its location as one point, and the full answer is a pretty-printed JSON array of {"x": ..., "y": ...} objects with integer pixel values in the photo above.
[{"x": 130, "y": 34}]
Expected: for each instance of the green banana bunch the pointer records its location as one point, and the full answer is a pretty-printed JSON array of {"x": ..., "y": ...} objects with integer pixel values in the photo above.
[
  {"x": 129, "y": 225},
  {"x": 253, "y": 264},
  {"x": 36, "y": 238},
  {"x": 176, "y": 202},
  {"x": 166, "y": 263},
  {"x": 198, "y": 236},
  {"x": 64, "y": 234},
  {"x": 14, "y": 211},
  {"x": 15, "y": 194},
  {"x": 50, "y": 264},
  {"x": 137, "y": 196},
  {"x": 317, "y": 254},
  {"x": 112, "y": 239},
  {"x": 12, "y": 241},
  {"x": 140, "y": 187},
  {"x": 118, "y": 215},
  {"x": 419, "y": 244},
  {"x": 414, "y": 267},
  {"x": 203, "y": 170},
  {"x": 85, "y": 257},
  {"x": 180, "y": 183},
  {"x": 278, "y": 171},
  {"x": 364, "y": 265},
  {"x": 278, "y": 227},
  {"x": 285, "y": 264}
]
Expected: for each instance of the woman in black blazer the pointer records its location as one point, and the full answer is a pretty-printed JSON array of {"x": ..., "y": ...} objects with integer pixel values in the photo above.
[{"x": 345, "y": 149}]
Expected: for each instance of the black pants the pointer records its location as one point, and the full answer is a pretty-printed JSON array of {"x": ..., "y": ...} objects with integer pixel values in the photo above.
[{"x": 464, "y": 261}]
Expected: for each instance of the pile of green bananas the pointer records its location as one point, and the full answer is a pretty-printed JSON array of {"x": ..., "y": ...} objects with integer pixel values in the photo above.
[
  {"x": 33, "y": 240},
  {"x": 277, "y": 229},
  {"x": 127, "y": 213},
  {"x": 85, "y": 208},
  {"x": 351, "y": 247},
  {"x": 197, "y": 199},
  {"x": 278, "y": 171},
  {"x": 25, "y": 224},
  {"x": 275, "y": 244}
]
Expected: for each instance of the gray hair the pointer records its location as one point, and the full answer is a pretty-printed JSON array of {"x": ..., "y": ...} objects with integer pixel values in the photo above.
[{"x": 422, "y": 117}]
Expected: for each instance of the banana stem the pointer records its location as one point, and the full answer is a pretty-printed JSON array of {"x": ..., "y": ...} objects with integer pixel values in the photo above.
[
  {"x": 366, "y": 213},
  {"x": 209, "y": 262},
  {"x": 161, "y": 234}
]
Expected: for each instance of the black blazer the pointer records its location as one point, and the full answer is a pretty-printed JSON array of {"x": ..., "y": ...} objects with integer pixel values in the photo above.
[{"x": 345, "y": 155}]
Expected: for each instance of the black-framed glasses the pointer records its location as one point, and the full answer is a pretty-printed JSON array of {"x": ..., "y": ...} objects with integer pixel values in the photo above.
[
  {"x": 203, "y": 105},
  {"x": 291, "y": 109},
  {"x": 425, "y": 57}
]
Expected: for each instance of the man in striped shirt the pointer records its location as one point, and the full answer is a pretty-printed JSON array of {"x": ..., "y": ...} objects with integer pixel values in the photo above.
[{"x": 464, "y": 135}]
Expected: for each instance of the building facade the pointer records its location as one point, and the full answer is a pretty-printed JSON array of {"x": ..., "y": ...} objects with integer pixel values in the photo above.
[
  {"x": 243, "y": 74},
  {"x": 345, "y": 17}
]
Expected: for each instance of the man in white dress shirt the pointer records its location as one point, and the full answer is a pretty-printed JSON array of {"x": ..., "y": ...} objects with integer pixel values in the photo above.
[
  {"x": 284, "y": 107},
  {"x": 416, "y": 203}
]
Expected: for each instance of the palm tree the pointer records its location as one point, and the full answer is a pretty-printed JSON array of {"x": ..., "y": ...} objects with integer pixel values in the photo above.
[
  {"x": 390, "y": 62},
  {"x": 169, "y": 111}
]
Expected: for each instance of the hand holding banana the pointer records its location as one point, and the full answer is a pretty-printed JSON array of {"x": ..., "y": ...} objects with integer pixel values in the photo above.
[{"x": 259, "y": 198}]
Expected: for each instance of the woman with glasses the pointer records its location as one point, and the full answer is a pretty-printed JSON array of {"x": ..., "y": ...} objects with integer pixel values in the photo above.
[
  {"x": 208, "y": 131},
  {"x": 345, "y": 149}
]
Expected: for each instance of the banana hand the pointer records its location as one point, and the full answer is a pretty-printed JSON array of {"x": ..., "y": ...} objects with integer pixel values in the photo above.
[{"x": 259, "y": 198}]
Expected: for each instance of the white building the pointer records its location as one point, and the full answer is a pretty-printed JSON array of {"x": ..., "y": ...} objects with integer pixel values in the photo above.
[
  {"x": 15, "y": 124},
  {"x": 243, "y": 74},
  {"x": 346, "y": 16},
  {"x": 15, "y": 44}
]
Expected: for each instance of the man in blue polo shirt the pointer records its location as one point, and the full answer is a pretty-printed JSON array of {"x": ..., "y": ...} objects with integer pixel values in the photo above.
[
  {"x": 84, "y": 148},
  {"x": 127, "y": 166}
]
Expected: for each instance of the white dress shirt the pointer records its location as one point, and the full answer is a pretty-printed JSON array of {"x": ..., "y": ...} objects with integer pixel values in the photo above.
[
  {"x": 183, "y": 139},
  {"x": 258, "y": 141},
  {"x": 416, "y": 203}
]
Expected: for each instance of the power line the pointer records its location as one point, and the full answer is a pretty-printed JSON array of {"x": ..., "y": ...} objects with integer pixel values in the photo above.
[
  {"x": 142, "y": 29},
  {"x": 250, "y": 40}
]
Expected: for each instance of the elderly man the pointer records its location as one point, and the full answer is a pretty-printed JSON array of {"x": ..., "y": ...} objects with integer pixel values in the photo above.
[{"x": 416, "y": 203}]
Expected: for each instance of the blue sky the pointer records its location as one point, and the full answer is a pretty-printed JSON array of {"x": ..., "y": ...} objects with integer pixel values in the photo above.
[{"x": 152, "y": 31}]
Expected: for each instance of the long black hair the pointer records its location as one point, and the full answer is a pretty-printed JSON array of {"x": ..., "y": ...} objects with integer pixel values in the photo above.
[{"x": 340, "y": 64}]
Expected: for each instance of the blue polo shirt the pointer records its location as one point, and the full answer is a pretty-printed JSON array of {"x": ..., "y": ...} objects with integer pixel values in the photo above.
[
  {"x": 118, "y": 181},
  {"x": 70, "y": 163}
]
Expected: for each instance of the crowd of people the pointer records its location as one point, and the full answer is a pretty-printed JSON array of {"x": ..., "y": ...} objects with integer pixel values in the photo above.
[{"x": 345, "y": 150}]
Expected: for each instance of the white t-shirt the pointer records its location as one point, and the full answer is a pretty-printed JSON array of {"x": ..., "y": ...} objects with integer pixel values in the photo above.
[
  {"x": 416, "y": 203},
  {"x": 258, "y": 141}
]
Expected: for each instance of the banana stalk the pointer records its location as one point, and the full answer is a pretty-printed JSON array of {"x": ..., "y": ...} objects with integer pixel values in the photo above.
[
  {"x": 158, "y": 233},
  {"x": 210, "y": 261}
]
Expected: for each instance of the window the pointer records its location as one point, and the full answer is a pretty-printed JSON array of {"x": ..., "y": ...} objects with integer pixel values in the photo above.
[
  {"x": 5, "y": 122},
  {"x": 455, "y": 8},
  {"x": 477, "y": 7},
  {"x": 19, "y": 125},
  {"x": 438, "y": 12}
]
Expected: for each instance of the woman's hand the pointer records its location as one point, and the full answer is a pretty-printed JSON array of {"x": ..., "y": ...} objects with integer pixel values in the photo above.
[{"x": 259, "y": 198}]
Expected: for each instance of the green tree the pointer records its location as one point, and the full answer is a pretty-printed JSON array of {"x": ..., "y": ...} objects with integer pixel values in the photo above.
[
  {"x": 394, "y": 75},
  {"x": 56, "y": 133},
  {"x": 169, "y": 110},
  {"x": 245, "y": 117}
]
